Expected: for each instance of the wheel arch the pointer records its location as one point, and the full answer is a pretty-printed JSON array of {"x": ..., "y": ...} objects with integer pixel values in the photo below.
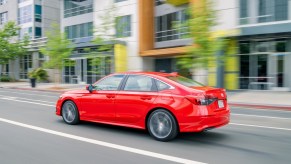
[
  {"x": 156, "y": 108},
  {"x": 69, "y": 99}
]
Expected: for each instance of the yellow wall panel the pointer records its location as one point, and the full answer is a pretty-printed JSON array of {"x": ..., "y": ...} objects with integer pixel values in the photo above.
[
  {"x": 212, "y": 79},
  {"x": 231, "y": 81},
  {"x": 120, "y": 55},
  {"x": 231, "y": 63}
]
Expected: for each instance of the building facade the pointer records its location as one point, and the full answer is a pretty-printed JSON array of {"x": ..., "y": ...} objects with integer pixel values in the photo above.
[
  {"x": 264, "y": 44},
  {"x": 34, "y": 17},
  {"x": 145, "y": 38}
]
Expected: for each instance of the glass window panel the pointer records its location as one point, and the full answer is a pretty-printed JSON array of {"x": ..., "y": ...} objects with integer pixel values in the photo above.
[
  {"x": 244, "y": 48},
  {"x": 109, "y": 83},
  {"x": 281, "y": 10},
  {"x": 25, "y": 14},
  {"x": 139, "y": 83},
  {"x": 162, "y": 86},
  {"x": 38, "y": 32},
  {"x": 73, "y": 8},
  {"x": 123, "y": 26}
]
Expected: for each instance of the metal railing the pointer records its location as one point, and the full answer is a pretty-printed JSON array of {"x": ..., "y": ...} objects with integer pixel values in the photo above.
[
  {"x": 172, "y": 34},
  {"x": 78, "y": 10}
]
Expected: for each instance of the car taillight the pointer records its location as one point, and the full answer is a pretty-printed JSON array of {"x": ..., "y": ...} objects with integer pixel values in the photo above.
[{"x": 201, "y": 100}]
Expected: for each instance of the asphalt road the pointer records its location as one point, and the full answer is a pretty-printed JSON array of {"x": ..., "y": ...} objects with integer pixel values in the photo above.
[{"x": 31, "y": 133}]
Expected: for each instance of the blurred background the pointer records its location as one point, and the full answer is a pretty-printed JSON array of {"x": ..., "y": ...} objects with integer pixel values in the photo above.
[{"x": 235, "y": 44}]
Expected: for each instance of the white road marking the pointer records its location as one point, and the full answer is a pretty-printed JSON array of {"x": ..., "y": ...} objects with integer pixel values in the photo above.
[
  {"x": 13, "y": 99},
  {"x": 105, "y": 144},
  {"x": 10, "y": 97},
  {"x": 277, "y": 110},
  {"x": 258, "y": 126},
  {"x": 248, "y": 115},
  {"x": 29, "y": 94}
]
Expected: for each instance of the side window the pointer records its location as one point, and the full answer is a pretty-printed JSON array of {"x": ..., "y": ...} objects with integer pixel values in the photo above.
[
  {"x": 139, "y": 83},
  {"x": 162, "y": 86},
  {"x": 110, "y": 83}
]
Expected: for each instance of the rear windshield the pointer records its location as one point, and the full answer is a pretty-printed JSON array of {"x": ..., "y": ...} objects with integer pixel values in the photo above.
[{"x": 185, "y": 81}]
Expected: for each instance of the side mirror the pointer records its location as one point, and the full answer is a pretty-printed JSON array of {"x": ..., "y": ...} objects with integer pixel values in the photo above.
[{"x": 89, "y": 88}]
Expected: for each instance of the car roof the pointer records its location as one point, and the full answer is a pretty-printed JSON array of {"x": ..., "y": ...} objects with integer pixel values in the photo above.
[{"x": 151, "y": 73}]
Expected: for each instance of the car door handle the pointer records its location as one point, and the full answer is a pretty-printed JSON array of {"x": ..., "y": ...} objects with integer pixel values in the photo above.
[
  {"x": 110, "y": 96},
  {"x": 145, "y": 98}
]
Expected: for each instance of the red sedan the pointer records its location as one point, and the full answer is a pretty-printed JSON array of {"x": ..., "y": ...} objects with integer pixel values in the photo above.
[{"x": 163, "y": 103}]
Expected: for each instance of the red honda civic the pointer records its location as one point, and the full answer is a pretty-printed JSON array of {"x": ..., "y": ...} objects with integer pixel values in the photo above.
[{"x": 162, "y": 103}]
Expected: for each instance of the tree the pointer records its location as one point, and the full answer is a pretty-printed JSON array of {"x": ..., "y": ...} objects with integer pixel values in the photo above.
[
  {"x": 58, "y": 48},
  {"x": 206, "y": 45},
  {"x": 10, "y": 47},
  {"x": 105, "y": 39}
]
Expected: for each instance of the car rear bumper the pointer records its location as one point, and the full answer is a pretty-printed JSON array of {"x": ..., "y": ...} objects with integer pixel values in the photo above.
[{"x": 201, "y": 123}]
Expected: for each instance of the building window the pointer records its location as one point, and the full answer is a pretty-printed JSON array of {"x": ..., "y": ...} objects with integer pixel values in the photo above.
[
  {"x": 166, "y": 28},
  {"x": 5, "y": 70},
  {"x": 270, "y": 10},
  {"x": 243, "y": 12},
  {"x": 116, "y": 1},
  {"x": 3, "y": 17},
  {"x": 123, "y": 26},
  {"x": 244, "y": 47},
  {"x": 77, "y": 7},
  {"x": 97, "y": 68},
  {"x": 281, "y": 10},
  {"x": 159, "y": 2},
  {"x": 25, "y": 32},
  {"x": 25, "y": 65},
  {"x": 20, "y": 1},
  {"x": 2, "y": 2},
  {"x": 37, "y": 13},
  {"x": 25, "y": 14},
  {"x": 37, "y": 32},
  {"x": 79, "y": 30}
]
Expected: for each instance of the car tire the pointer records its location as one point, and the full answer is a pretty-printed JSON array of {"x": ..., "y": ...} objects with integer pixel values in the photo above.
[
  {"x": 70, "y": 113},
  {"x": 162, "y": 125}
]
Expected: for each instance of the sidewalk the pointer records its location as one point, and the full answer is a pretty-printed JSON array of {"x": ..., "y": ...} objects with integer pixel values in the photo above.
[
  {"x": 50, "y": 87},
  {"x": 260, "y": 99},
  {"x": 245, "y": 98}
]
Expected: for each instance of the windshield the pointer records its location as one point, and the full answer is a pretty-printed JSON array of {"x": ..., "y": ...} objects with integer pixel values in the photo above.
[{"x": 185, "y": 81}]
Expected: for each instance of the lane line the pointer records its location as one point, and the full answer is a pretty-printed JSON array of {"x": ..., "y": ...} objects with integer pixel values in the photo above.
[
  {"x": 3, "y": 98},
  {"x": 105, "y": 144},
  {"x": 10, "y": 97},
  {"x": 33, "y": 91},
  {"x": 29, "y": 94},
  {"x": 249, "y": 115},
  {"x": 258, "y": 126},
  {"x": 269, "y": 110}
]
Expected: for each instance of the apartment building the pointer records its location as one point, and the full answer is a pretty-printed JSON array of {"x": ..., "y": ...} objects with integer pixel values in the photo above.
[
  {"x": 259, "y": 28},
  {"x": 34, "y": 17},
  {"x": 83, "y": 20},
  {"x": 264, "y": 44},
  {"x": 146, "y": 39}
]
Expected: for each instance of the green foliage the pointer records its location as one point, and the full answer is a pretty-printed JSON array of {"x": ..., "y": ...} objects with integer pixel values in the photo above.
[
  {"x": 6, "y": 79},
  {"x": 10, "y": 47},
  {"x": 58, "y": 48},
  {"x": 201, "y": 20},
  {"x": 39, "y": 74},
  {"x": 104, "y": 38}
]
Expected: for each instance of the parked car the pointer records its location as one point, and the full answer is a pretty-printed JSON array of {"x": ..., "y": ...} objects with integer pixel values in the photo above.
[{"x": 162, "y": 103}]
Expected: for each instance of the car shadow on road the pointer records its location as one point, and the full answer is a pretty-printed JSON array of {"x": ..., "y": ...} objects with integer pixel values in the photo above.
[{"x": 202, "y": 137}]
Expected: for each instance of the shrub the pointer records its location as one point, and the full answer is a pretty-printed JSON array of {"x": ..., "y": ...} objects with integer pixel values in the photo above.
[
  {"x": 39, "y": 74},
  {"x": 6, "y": 78}
]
